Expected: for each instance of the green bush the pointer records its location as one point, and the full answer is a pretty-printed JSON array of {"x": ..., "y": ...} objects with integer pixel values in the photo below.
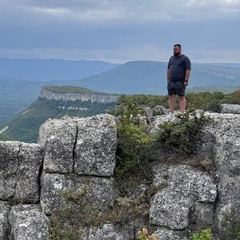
[
  {"x": 144, "y": 235},
  {"x": 231, "y": 227},
  {"x": 133, "y": 144},
  {"x": 213, "y": 106},
  {"x": 70, "y": 222},
  {"x": 182, "y": 135},
  {"x": 205, "y": 234},
  {"x": 202, "y": 100},
  {"x": 144, "y": 100}
]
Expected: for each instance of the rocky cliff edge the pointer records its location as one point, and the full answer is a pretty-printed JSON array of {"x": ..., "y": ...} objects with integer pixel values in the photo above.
[{"x": 77, "y": 155}]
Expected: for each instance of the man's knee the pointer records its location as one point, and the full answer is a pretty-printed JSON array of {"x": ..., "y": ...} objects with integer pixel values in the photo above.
[
  {"x": 172, "y": 97},
  {"x": 181, "y": 98}
]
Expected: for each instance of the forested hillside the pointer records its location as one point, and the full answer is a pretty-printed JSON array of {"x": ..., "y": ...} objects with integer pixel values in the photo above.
[{"x": 25, "y": 126}]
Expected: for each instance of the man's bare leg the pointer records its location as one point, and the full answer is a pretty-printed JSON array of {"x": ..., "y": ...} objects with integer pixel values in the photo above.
[
  {"x": 182, "y": 103},
  {"x": 172, "y": 102}
]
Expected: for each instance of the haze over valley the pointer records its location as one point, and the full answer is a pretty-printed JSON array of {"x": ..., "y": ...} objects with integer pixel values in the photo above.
[{"x": 21, "y": 80}]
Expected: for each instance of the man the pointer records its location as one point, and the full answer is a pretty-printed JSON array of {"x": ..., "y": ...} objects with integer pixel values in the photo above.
[{"x": 178, "y": 73}]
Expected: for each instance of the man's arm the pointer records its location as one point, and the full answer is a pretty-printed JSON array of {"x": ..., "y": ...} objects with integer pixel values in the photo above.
[
  {"x": 168, "y": 75},
  {"x": 187, "y": 64},
  {"x": 187, "y": 75}
]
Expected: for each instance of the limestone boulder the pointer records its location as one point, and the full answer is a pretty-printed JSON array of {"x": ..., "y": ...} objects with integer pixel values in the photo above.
[
  {"x": 58, "y": 137},
  {"x": 9, "y": 164},
  {"x": 170, "y": 209},
  {"x": 60, "y": 191},
  {"x": 4, "y": 225},
  {"x": 110, "y": 232},
  {"x": 166, "y": 234},
  {"x": 156, "y": 121},
  {"x": 95, "y": 151},
  {"x": 20, "y": 167},
  {"x": 230, "y": 108},
  {"x": 227, "y": 160},
  {"x": 85, "y": 146},
  {"x": 181, "y": 187},
  {"x": 28, "y": 223},
  {"x": 29, "y": 170},
  {"x": 159, "y": 110}
]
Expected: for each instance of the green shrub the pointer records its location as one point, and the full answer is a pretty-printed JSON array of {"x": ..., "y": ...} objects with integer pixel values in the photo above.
[
  {"x": 231, "y": 227},
  {"x": 213, "y": 106},
  {"x": 144, "y": 235},
  {"x": 57, "y": 232},
  {"x": 133, "y": 144},
  {"x": 205, "y": 234},
  {"x": 144, "y": 100},
  {"x": 69, "y": 222},
  {"x": 209, "y": 101},
  {"x": 182, "y": 135}
]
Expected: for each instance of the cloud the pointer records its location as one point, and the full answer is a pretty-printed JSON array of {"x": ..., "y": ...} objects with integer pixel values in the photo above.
[
  {"x": 119, "y": 30},
  {"x": 115, "y": 10}
]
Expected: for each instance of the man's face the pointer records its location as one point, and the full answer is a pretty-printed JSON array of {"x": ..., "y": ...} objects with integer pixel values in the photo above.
[{"x": 176, "y": 51}]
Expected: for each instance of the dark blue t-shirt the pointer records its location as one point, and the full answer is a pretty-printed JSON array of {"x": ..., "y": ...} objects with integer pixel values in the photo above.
[{"x": 178, "y": 67}]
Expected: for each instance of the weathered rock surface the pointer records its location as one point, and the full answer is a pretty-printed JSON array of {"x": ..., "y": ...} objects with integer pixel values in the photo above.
[
  {"x": 184, "y": 187},
  {"x": 28, "y": 223},
  {"x": 220, "y": 145},
  {"x": 58, "y": 138},
  {"x": 85, "y": 146},
  {"x": 227, "y": 160},
  {"x": 167, "y": 234},
  {"x": 96, "y": 146},
  {"x": 4, "y": 225},
  {"x": 94, "y": 192},
  {"x": 73, "y": 163},
  {"x": 230, "y": 108},
  {"x": 20, "y": 165},
  {"x": 109, "y": 232}
]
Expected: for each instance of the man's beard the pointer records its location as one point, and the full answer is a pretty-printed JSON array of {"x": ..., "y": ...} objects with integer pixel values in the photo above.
[{"x": 176, "y": 54}]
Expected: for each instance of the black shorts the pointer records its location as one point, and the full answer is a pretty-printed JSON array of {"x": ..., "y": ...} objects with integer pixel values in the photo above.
[{"x": 176, "y": 88}]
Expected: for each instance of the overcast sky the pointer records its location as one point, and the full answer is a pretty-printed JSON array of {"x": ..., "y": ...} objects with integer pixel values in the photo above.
[{"x": 120, "y": 30}]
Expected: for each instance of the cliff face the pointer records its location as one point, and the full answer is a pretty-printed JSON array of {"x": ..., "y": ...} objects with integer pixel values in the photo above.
[
  {"x": 99, "y": 98},
  {"x": 74, "y": 161}
]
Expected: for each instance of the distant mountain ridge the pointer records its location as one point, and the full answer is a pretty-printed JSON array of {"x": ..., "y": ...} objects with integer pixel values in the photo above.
[
  {"x": 51, "y": 69},
  {"x": 149, "y": 77},
  {"x": 21, "y": 79},
  {"x": 135, "y": 77}
]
